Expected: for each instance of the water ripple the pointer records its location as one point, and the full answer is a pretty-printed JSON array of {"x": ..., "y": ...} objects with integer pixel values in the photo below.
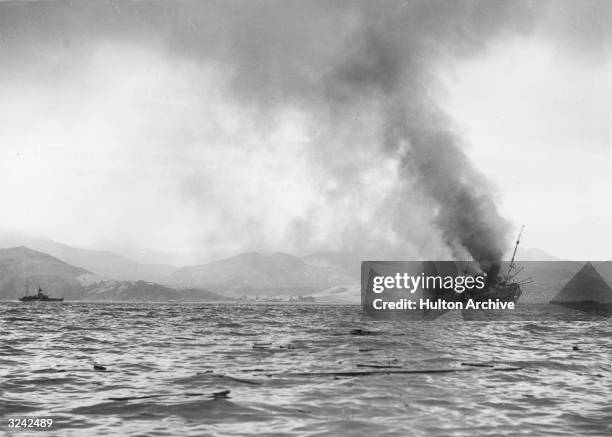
[{"x": 167, "y": 369}]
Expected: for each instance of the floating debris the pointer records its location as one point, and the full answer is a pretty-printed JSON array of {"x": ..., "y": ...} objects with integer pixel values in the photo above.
[
  {"x": 221, "y": 394},
  {"x": 289, "y": 346},
  {"x": 99, "y": 367},
  {"x": 399, "y": 372},
  {"x": 244, "y": 381},
  {"x": 262, "y": 345},
  {"x": 379, "y": 366},
  {"x": 130, "y": 398},
  {"x": 359, "y": 331}
]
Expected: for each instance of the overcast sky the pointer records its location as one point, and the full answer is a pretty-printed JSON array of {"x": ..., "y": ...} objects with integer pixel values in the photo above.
[{"x": 205, "y": 129}]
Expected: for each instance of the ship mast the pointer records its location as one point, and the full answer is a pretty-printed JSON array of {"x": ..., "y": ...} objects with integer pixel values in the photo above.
[
  {"x": 27, "y": 281},
  {"x": 518, "y": 240}
]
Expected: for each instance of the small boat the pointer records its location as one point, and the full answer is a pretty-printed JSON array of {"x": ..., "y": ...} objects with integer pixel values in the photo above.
[{"x": 39, "y": 297}]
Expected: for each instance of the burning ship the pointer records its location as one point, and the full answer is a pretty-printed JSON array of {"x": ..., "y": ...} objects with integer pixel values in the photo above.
[
  {"x": 499, "y": 285},
  {"x": 505, "y": 286}
]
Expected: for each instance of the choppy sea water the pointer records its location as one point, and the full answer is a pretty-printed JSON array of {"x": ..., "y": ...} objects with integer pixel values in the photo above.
[{"x": 228, "y": 369}]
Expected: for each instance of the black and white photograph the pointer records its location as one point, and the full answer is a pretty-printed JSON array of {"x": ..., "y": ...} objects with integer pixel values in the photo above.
[{"x": 306, "y": 218}]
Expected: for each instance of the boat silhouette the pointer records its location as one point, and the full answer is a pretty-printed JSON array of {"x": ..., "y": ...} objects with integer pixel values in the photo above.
[{"x": 39, "y": 297}]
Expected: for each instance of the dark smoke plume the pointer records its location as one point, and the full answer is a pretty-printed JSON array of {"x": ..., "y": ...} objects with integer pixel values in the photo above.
[
  {"x": 386, "y": 53},
  {"x": 393, "y": 61},
  {"x": 330, "y": 59},
  {"x": 333, "y": 57},
  {"x": 416, "y": 128}
]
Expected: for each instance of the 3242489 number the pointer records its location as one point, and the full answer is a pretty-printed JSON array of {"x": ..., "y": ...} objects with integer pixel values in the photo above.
[{"x": 30, "y": 422}]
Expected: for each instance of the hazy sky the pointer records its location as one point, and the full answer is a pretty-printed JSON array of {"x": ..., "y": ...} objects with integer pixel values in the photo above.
[{"x": 204, "y": 128}]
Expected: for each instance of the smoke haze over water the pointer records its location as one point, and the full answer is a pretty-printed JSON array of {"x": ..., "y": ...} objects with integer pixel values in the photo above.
[{"x": 265, "y": 125}]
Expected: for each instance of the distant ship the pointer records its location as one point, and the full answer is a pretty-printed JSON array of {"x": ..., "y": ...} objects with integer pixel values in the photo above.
[{"x": 39, "y": 297}]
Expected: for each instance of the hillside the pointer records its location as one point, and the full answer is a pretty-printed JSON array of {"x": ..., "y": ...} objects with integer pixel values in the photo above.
[
  {"x": 550, "y": 277},
  {"x": 101, "y": 262},
  {"x": 346, "y": 262},
  {"x": 142, "y": 291},
  {"x": 586, "y": 286},
  {"x": 532, "y": 254},
  {"x": 21, "y": 267},
  {"x": 329, "y": 276},
  {"x": 275, "y": 274},
  {"x": 549, "y": 273}
]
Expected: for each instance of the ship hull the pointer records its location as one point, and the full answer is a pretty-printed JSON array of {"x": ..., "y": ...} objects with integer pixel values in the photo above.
[{"x": 506, "y": 292}]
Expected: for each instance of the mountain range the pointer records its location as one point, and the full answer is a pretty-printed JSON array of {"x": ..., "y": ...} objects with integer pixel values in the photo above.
[
  {"x": 22, "y": 270},
  {"x": 90, "y": 274},
  {"x": 253, "y": 273},
  {"x": 101, "y": 262},
  {"x": 249, "y": 274}
]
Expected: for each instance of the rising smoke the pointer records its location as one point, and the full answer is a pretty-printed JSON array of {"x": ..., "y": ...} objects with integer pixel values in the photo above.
[
  {"x": 364, "y": 72},
  {"x": 396, "y": 61},
  {"x": 386, "y": 54}
]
